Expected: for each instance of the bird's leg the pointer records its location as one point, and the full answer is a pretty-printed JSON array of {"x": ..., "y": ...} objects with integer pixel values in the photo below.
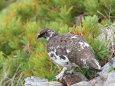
[
  {"x": 61, "y": 74},
  {"x": 71, "y": 71}
]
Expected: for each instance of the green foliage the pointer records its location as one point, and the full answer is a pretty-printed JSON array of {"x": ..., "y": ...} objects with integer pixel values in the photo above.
[
  {"x": 2, "y": 4},
  {"x": 91, "y": 25},
  {"x": 22, "y": 55},
  {"x": 103, "y": 8},
  {"x": 107, "y": 8},
  {"x": 24, "y": 11},
  {"x": 111, "y": 69},
  {"x": 91, "y": 6},
  {"x": 89, "y": 73},
  {"x": 2, "y": 59},
  {"x": 100, "y": 49}
]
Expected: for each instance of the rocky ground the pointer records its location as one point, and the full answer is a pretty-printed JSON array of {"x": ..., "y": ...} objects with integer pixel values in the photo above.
[{"x": 106, "y": 78}]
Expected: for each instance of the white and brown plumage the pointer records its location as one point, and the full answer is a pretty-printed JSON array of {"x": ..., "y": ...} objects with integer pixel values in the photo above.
[{"x": 69, "y": 51}]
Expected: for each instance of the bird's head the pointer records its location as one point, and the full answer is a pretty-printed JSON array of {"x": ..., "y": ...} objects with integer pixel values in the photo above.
[{"x": 47, "y": 34}]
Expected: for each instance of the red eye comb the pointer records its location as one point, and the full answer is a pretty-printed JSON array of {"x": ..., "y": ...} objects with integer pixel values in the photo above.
[{"x": 43, "y": 31}]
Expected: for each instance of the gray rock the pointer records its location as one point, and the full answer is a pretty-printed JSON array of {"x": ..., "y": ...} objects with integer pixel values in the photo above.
[
  {"x": 98, "y": 81},
  {"x": 79, "y": 19},
  {"x": 36, "y": 81},
  {"x": 83, "y": 83},
  {"x": 106, "y": 67},
  {"x": 53, "y": 83},
  {"x": 82, "y": 77},
  {"x": 110, "y": 80},
  {"x": 111, "y": 84}
]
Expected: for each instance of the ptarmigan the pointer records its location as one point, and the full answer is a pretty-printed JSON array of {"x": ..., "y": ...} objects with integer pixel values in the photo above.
[{"x": 69, "y": 50}]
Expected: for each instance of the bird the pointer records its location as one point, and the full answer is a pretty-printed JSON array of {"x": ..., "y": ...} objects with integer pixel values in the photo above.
[{"x": 69, "y": 51}]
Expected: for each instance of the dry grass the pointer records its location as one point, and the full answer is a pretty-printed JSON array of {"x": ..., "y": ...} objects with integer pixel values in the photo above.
[
  {"x": 107, "y": 36},
  {"x": 15, "y": 80}
]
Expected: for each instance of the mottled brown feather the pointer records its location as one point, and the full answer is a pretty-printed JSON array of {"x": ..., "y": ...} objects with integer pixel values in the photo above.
[{"x": 76, "y": 54}]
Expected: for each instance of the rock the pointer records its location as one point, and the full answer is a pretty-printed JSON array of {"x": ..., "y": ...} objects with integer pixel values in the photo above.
[
  {"x": 106, "y": 67},
  {"x": 52, "y": 83},
  {"x": 35, "y": 81},
  {"x": 83, "y": 83},
  {"x": 79, "y": 19},
  {"x": 98, "y": 81},
  {"x": 110, "y": 80},
  {"x": 72, "y": 79}
]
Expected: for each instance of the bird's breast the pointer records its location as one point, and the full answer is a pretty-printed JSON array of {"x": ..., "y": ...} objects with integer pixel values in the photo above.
[{"x": 57, "y": 57}]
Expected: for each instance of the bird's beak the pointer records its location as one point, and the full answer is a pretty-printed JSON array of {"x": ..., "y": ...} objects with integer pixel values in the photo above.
[{"x": 39, "y": 36}]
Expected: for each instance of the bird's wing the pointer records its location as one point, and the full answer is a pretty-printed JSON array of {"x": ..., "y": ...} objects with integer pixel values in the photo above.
[{"x": 82, "y": 53}]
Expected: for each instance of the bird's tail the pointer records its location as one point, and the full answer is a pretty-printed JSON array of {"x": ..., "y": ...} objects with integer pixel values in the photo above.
[
  {"x": 94, "y": 64},
  {"x": 98, "y": 70}
]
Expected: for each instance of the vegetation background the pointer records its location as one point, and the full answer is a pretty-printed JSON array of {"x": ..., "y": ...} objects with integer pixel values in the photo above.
[{"x": 22, "y": 55}]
